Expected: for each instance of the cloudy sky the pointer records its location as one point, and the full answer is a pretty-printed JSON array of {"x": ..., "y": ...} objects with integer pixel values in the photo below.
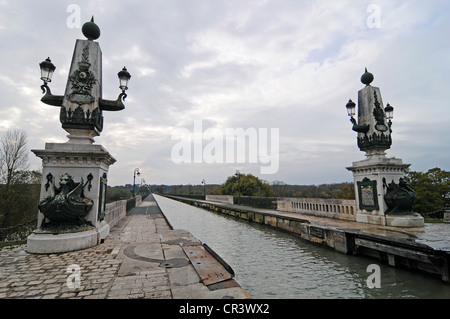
[{"x": 286, "y": 65}]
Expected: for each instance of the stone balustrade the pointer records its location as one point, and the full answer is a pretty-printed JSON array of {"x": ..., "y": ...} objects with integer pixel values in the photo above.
[
  {"x": 220, "y": 198},
  {"x": 331, "y": 208},
  {"x": 117, "y": 210}
]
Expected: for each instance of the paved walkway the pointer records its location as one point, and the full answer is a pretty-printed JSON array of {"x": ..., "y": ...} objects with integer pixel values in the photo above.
[{"x": 142, "y": 258}]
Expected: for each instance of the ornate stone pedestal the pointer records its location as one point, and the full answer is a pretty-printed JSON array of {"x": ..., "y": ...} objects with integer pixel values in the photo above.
[
  {"x": 84, "y": 163},
  {"x": 368, "y": 176},
  {"x": 371, "y": 177}
]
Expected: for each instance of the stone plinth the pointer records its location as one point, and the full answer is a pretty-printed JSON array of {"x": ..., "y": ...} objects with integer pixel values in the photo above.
[
  {"x": 84, "y": 162},
  {"x": 404, "y": 221},
  {"x": 44, "y": 243},
  {"x": 369, "y": 176}
]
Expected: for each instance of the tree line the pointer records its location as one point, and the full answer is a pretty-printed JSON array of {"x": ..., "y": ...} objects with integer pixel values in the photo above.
[
  {"x": 250, "y": 185},
  {"x": 432, "y": 189}
]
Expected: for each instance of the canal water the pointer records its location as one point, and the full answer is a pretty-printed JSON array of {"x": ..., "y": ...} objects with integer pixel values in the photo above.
[{"x": 271, "y": 264}]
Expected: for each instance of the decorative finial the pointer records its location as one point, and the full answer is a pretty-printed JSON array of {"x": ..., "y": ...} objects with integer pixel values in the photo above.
[
  {"x": 367, "y": 78},
  {"x": 90, "y": 30}
]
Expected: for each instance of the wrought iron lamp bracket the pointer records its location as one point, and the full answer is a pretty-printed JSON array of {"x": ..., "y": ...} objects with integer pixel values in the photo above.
[
  {"x": 49, "y": 98},
  {"x": 359, "y": 128},
  {"x": 117, "y": 105}
]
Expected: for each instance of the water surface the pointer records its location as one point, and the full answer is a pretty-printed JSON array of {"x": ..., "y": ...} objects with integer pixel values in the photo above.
[{"x": 272, "y": 264}]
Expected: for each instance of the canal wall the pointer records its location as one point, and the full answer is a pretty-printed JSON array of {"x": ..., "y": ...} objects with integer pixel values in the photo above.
[{"x": 347, "y": 237}]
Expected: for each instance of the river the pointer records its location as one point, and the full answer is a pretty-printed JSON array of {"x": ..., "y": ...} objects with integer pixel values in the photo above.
[{"x": 271, "y": 264}]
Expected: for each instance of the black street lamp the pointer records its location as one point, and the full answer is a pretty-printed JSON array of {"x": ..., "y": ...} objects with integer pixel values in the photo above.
[
  {"x": 204, "y": 188},
  {"x": 389, "y": 110},
  {"x": 124, "y": 77},
  {"x": 136, "y": 171},
  {"x": 238, "y": 174},
  {"x": 47, "y": 69},
  {"x": 351, "y": 108}
]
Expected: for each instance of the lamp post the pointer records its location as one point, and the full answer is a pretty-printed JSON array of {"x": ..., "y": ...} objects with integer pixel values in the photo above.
[
  {"x": 351, "y": 110},
  {"x": 124, "y": 77},
  {"x": 374, "y": 123},
  {"x": 80, "y": 165},
  {"x": 136, "y": 171},
  {"x": 82, "y": 105},
  {"x": 47, "y": 70},
  {"x": 382, "y": 195},
  {"x": 204, "y": 188},
  {"x": 389, "y": 110},
  {"x": 142, "y": 184},
  {"x": 238, "y": 174}
]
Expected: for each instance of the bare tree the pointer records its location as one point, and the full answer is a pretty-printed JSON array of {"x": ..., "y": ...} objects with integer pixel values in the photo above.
[
  {"x": 13, "y": 160},
  {"x": 13, "y": 155}
]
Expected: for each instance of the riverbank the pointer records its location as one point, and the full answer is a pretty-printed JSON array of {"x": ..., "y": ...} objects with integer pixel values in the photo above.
[
  {"x": 142, "y": 258},
  {"x": 418, "y": 249}
]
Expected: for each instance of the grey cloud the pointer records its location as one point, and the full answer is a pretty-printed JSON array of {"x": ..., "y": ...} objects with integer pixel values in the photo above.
[{"x": 287, "y": 64}]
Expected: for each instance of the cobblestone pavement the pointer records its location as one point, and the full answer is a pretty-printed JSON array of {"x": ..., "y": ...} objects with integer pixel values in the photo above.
[
  {"x": 126, "y": 266},
  {"x": 23, "y": 275}
]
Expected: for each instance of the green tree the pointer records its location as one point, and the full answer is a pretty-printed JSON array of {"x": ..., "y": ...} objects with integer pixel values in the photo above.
[
  {"x": 117, "y": 193},
  {"x": 343, "y": 191},
  {"x": 432, "y": 189},
  {"x": 337, "y": 191},
  {"x": 248, "y": 185}
]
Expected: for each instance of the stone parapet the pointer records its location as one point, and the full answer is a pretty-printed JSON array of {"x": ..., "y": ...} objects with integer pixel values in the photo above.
[
  {"x": 220, "y": 198},
  {"x": 331, "y": 208}
]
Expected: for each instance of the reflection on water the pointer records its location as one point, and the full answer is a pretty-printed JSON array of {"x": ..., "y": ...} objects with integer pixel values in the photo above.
[{"x": 272, "y": 264}]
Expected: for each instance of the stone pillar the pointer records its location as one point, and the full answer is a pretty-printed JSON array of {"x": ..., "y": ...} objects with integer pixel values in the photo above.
[
  {"x": 80, "y": 113},
  {"x": 378, "y": 177},
  {"x": 74, "y": 177}
]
